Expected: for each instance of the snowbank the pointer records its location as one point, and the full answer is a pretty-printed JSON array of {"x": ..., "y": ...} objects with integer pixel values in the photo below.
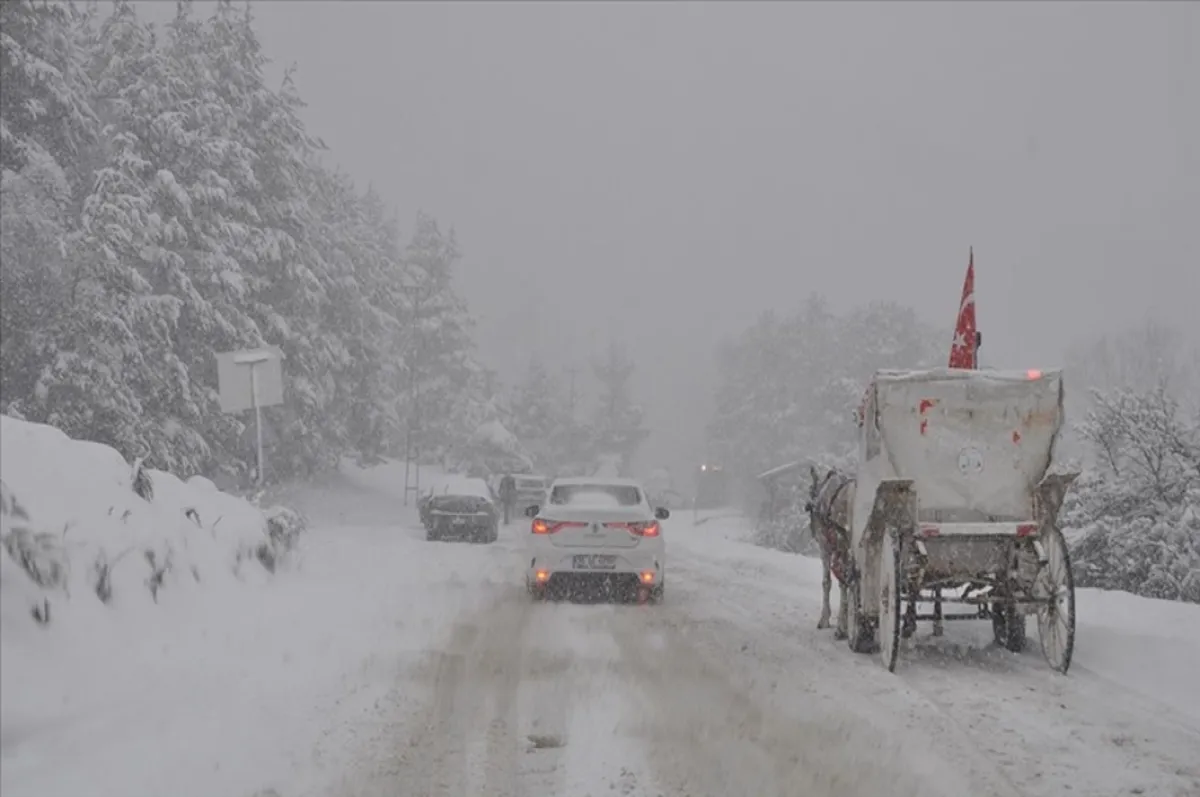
[
  {"x": 82, "y": 528},
  {"x": 250, "y": 688}
]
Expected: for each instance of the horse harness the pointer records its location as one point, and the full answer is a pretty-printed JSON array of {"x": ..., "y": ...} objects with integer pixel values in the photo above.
[{"x": 831, "y": 528}]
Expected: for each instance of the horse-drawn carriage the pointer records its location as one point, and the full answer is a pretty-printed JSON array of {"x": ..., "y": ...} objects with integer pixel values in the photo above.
[{"x": 953, "y": 502}]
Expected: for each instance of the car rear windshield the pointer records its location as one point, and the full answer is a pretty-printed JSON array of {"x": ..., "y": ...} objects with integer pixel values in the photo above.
[
  {"x": 596, "y": 494},
  {"x": 459, "y": 503}
]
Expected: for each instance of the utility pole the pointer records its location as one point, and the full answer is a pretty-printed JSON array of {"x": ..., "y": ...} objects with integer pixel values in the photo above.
[{"x": 412, "y": 448}]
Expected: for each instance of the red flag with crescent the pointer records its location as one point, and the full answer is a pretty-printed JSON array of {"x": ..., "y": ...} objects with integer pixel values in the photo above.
[{"x": 963, "y": 350}]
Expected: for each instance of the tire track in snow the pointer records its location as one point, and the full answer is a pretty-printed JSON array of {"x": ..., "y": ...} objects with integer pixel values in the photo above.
[
  {"x": 870, "y": 717},
  {"x": 496, "y": 675},
  {"x": 440, "y": 743},
  {"x": 599, "y": 756},
  {"x": 1079, "y": 724},
  {"x": 490, "y": 687},
  {"x": 711, "y": 733}
]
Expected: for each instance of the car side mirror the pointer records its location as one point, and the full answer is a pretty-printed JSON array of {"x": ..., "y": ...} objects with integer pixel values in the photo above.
[
  {"x": 662, "y": 513},
  {"x": 532, "y": 511}
]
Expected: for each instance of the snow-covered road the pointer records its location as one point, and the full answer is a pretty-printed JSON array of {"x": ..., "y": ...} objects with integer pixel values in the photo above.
[{"x": 391, "y": 666}]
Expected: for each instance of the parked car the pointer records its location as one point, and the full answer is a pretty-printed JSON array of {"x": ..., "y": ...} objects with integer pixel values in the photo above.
[
  {"x": 531, "y": 489},
  {"x": 462, "y": 509},
  {"x": 596, "y": 536}
]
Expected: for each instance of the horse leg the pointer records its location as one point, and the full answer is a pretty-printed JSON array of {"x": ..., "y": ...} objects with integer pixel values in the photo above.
[
  {"x": 826, "y": 584},
  {"x": 937, "y": 611},
  {"x": 909, "y": 626},
  {"x": 843, "y": 626}
]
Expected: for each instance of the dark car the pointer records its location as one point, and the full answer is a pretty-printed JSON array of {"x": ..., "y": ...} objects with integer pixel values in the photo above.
[{"x": 461, "y": 512}]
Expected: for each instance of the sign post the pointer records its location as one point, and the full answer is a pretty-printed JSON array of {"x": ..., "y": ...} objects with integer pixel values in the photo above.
[{"x": 250, "y": 380}]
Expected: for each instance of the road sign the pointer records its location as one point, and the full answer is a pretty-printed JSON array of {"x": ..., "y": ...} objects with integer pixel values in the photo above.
[
  {"x": 250, "y": 380},
  {"x": 234, "y": 369}
]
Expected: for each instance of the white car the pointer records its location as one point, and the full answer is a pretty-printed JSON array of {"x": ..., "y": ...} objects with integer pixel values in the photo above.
[
  {"x": 596, "y": 537},
  {"x": 530, "y": 489}
]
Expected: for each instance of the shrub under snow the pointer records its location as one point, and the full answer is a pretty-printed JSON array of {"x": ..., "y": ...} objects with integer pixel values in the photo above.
[
  {"x": 79, "y": 523},
  {"x": 1138, "y": 512},
  {"x": 1156, "y": 557},
  {"x": 789, "y": 530}
]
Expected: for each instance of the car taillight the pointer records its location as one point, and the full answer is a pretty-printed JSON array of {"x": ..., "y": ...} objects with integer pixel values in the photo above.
[
  {"x": 648, "y": 529},
  {"x": 541, "y": 526}
]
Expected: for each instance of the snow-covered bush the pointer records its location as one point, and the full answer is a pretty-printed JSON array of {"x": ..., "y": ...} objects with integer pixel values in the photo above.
[
  {"x": 1156, "y": 558},
  {"x": 788, "y": 531},
  {"x": 284, "y": 528},
  {"x": 79, "y": 524},
  {"x": 1136, "y": 515}
]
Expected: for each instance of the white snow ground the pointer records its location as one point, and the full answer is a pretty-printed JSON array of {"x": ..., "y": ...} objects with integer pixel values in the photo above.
[{"x": 385, "y": 665}]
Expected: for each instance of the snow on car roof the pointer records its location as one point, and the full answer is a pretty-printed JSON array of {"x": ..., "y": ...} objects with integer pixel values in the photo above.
[{"x": 463, "y": 486}]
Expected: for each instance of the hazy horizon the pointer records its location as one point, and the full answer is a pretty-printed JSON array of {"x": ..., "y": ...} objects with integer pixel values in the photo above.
[{"x": 660, "y": 174}]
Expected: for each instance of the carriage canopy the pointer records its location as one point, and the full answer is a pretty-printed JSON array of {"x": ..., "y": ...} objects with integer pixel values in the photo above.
[{"x": 975, "y": 443}]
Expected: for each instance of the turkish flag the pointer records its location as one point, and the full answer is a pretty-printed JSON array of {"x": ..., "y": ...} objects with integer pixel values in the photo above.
[{"x": 962, "y": 351}]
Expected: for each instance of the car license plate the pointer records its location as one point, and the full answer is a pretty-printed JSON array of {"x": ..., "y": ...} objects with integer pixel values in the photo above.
[
  {"x": 593, "y": 561},
  {"x": 460, "y": 521}
]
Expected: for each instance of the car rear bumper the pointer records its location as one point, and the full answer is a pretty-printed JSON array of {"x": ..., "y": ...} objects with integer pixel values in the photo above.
[
  {"x": 595, "y": 586},
  {"x": 558, "y": 565},
  {"x": 447, "y": 530}
]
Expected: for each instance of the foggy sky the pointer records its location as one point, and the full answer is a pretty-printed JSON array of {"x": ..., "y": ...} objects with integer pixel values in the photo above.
[{"x": 661, "y": 173}]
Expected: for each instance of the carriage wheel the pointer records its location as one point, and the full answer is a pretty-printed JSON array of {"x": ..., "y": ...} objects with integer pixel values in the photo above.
[
  {"x": 889, "y": 601},
  {"x": 1055, "y": 584}
]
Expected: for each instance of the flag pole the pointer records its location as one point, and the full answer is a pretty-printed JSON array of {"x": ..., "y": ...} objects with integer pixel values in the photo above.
[{"x": 978, "y": 336}]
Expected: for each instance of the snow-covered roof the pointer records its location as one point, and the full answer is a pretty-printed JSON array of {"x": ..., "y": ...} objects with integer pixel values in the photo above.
[
  {"x": 963, "y": 374},
  {"x": 780, "y": 470}
]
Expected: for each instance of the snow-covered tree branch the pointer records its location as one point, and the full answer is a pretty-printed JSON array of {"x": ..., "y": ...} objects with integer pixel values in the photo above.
[{"x": 162, "y": 203}]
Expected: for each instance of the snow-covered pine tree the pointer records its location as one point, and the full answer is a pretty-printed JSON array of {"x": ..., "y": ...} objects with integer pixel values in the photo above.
[
  {"x": 286, "y": 282},
  {"x": 541, "y": 419},
  {"x": 360, "y": 245},
  {"x": 44, "y": 91},
  {"x": 93, "y": 365},
  {"x": 160, "y": 204},
  {"x": 47, "y": 127},
  {"x": 437, "y": 348},
  {"x": 618, "y": 425}
]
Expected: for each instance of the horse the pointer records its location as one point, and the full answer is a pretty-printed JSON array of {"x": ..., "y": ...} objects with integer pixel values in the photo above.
[{"x": 828, "y": 511}]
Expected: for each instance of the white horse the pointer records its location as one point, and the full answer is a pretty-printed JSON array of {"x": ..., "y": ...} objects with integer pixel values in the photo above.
[{"x": 828, "y": 510}]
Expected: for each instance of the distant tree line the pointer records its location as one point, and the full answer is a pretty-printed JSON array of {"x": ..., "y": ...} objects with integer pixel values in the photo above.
[
  {"x": 565, "y": 437},
  {"x": 788, "y": 386}
]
